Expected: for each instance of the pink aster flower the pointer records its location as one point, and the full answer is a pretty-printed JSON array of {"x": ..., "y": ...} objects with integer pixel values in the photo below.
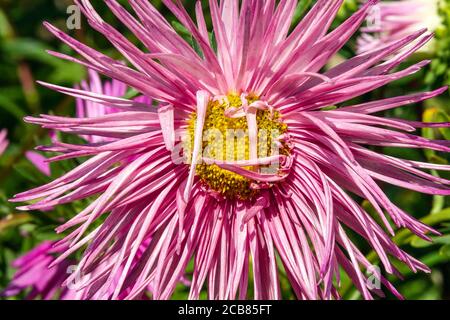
[
  {"x": 92, "y": 109},
  {"x": 35, "y": 277},
  {"x": 89, "y": 109},
  {"x": 42, "y": 275},
  {"x": 282, "y": 195},
  {"x": 391, "y": 21}
]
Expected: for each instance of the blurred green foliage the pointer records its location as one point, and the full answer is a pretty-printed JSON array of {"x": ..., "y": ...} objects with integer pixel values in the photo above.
[
  {"x": 439, "y": 71},
  {"x": 23, "y": 45}
]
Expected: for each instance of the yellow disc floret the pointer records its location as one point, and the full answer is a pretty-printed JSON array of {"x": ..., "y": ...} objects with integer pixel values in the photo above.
[{"x": 227, "y": 139}]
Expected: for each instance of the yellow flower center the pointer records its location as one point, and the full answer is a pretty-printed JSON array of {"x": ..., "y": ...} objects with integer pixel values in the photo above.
[{"x": 226, "y": 138}]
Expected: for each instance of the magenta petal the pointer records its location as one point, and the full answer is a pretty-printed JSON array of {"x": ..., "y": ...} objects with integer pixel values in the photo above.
[{"x": 39, "y": 161}]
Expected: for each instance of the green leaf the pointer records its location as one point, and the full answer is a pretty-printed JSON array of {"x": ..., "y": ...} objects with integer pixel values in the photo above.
[
  {"x": 28, "y": 49},
  {"x": 422, "y": 288},
  {"x": 14, "y": 220},
  {"x": 445, "y": 251},
  {"x": 421, "y": 243},
  {"x": 67, "y": 72},
  {"x": 30, "y": 173},
  {"x": 301, "y": 10},
  {"x": 417, "y": 242},
  {"x": 186, "y": 35},
  {"x": 5, "y": 27},
  {"x": 131, "y": 94},
  {"x": 7, "y": 104},
  {"x": 182, "y": 31},
  {"x": 31, "y": 50}
]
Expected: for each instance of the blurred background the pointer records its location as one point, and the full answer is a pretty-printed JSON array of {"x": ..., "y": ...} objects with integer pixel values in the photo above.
[{"x": 23, "y": 60}]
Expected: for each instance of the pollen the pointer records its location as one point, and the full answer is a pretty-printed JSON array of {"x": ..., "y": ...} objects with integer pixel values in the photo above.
[{"x": 226, "y": 138}]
